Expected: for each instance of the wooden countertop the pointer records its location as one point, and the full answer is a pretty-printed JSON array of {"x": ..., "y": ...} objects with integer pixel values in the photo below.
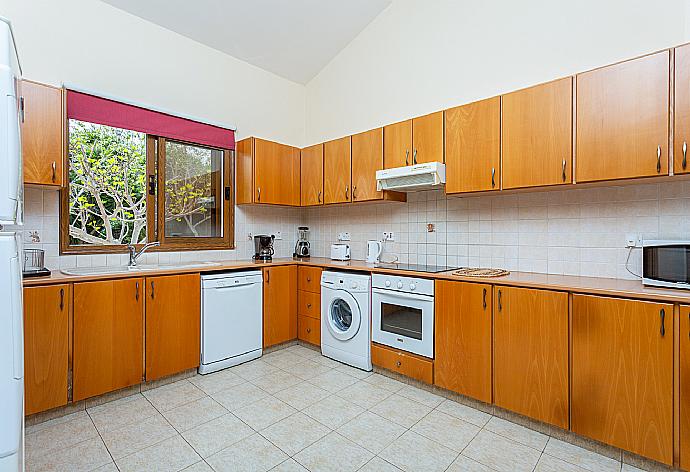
[{"x": 585, "y": 285}]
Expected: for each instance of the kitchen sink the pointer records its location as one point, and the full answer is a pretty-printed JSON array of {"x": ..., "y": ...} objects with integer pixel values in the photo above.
[{"x": 110, "y": 270}]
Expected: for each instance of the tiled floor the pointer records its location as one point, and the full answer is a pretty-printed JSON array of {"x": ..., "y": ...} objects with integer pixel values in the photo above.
[{"x": 294, "y": 410}]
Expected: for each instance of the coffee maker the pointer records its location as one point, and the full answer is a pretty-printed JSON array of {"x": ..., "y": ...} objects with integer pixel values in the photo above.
[
  {"x": 302, "y": 245},
  {"x": 263, "y": 247}
]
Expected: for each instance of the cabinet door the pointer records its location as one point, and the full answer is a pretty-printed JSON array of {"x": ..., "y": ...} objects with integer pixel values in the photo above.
[
  {"x": 622, "y": 374},
  {"x": 681, "y": 111},
  {"x": 244, "y": 171},
  {"x": 46, "y": 347},
  {"x": 337, "y": 171},
  {"x": 312, "y": 175},
  {"x": 276, "y": 173},
  {"x": 473, "y": 146},
  {"x": 108, "y": 336},
  {"x": 173, "y": 318},
  {"x": 42, "y": 134},
  {"x": 427, "y": 138},
  {"x": 397, "y": 144},
  {"x": 280, "y": 304},
  {"x": 622, "y": 120},
  {"x": 684, "y": 399},
  {"x": 463, "y": 338},
  {"x": 367, "y": 158},
  {"x": 536, "y": 135},
  {"x": 531, "y": 353}
]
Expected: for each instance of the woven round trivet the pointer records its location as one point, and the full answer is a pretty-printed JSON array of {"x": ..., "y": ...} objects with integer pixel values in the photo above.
[{"x": 480, "y": 272}]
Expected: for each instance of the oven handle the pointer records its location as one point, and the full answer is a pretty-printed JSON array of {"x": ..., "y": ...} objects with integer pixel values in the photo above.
[{"x": 403, "y": 295}]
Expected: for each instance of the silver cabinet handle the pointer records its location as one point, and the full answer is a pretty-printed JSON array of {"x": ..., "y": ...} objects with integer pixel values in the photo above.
[
  {"x": 414, "y": 156},
  {"x": 484, "y": 298},
  {"x": 493, "y": 177},
  {"x": 54, "y": 167},
  {"x": 354, "y": 192},
  {"x": 658, "y": 159},
  {"x": 563, "y": 171},
  {"x": 500, "y": 303},
  {"x": 318, "y": 196},
  {"x": 258, "y": 194},
  {"x": 152, "y": 290},
  {"x": 22, "y": 113},
  {"x": 308, "y": 305},
  {"x": 347, "y": 192},
  {"x": 407, "y": 157},
  {"x": 398, "y": 364},
  {"x": 136, "y": 293},
  {"x": 308, "y": 330},
  {"x": 685, "y": 155},
  {"x": 268, "y": 276},
  {"x": 62, "y": 299},
  {"x": 662, "y": 315}
]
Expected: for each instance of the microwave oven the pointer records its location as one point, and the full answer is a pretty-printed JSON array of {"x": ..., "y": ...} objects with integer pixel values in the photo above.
[{"x": 666, "y": 263}]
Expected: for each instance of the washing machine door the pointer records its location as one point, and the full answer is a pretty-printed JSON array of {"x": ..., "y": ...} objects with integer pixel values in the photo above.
[{"x": 343, "y": 317}]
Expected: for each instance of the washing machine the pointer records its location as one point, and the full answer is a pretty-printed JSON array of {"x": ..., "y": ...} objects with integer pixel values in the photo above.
[{"x": 346, "y": 318}]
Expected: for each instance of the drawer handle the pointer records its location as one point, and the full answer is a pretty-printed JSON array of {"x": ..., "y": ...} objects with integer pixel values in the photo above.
[
  {"x": 318, "y": 196},
  {"x": 62, "y": 299},
  {"x": 54, "y": 168},
  {"x": 308, "y": 279},
  {"x": 347, "y": 192},
  {"x": 136, "y": 293},
  {"x": 414, "y": 156},
  {"x": 484, "y": 298},
  {"x": 685, "y": 155},
  {"x": 398, "y": 364},
  {"x": 500, "y": 303},
  {"x": 308, "y": 330},
  {"x": 493, "y": 177},
  {"x": 308, "y": 305},
  {"x": 407, "y": 157},
  {"x": 354, "y": 192},
  {"x": 258, "y": 194},
  {"x": 152, "y": 290},
  {"x": 662, "y": 315},
  {"x": 563, "y": 170},
  {"x": 658, "y": 159}
]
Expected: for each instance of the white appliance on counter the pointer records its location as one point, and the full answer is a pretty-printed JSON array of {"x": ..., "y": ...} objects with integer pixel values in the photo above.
[
  {"x": 426, "y": 176},
  {"x": 231, "y": 319},
  {"x": 340, "y": 252},
  {"x": 402, "y": 313}
]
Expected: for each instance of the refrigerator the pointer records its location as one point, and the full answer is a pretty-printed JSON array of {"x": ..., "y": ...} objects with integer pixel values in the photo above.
[{"x": 11, "y": 218}]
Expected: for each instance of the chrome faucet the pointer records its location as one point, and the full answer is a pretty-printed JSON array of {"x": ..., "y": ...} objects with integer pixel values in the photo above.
[{"x": 134, "y": 255}]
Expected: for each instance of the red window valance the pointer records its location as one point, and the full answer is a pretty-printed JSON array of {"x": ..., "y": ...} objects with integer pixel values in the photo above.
[{"x": 102, "y": 111}]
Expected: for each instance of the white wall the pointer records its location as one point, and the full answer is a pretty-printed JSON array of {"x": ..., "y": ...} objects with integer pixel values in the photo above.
[{"x": 421, "y": 56}]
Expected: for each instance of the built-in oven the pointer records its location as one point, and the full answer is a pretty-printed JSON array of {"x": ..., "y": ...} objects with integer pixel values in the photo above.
[
  {"x": 666, "y": 263},
  {"x": 402, "y": 313}
]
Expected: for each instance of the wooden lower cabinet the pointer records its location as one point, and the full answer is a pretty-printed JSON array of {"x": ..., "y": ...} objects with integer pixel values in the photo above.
[
  {"x": 309, "y": 279},
  {"x": 309, "y": 330},
  {"x": 531, "y": 353},
  {"x": 622, "y": 374},
  {"x": 108, "y": 336},
  {"x": 173, "y": 319},
  {"x": 409, "y": 365},
  {"x": 280, "y": 304},
  {"x": 463, "y": 338},
  {"x": 46, "y": 347},
  {"x": 684, "y": 400}
]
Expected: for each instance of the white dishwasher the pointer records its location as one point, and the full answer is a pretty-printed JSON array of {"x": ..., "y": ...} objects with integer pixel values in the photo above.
[{"x": 231, "y": 319}]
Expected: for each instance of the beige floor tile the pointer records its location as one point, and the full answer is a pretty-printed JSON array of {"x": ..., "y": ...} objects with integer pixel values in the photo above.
[
  {"x": 446, "y": 430},
  {"x": 333, "y": 411},
  {"x": 464, "y": 412},
  {"x": 465, "y": 464},
  {"x": 501, "y": 453},
  {"x": 371, "y": 431},
  {"x": 354, "y": 372},
  {"x": 364, "y": 394},
  {"x": 175, "y": 394},
  {"x": 254, "y": 454},
  {"x": 308, "y": 369},
  {"x": 294, "y": 433},
  {"x": 289, "y": 466},
  {"x": 276, "y": 381},
  {"x": 137, "y": 436},
  {"x": 517, "y": 433},
  {"x": 59, "y": 435},
  {"x": 631, "y": 468},
  {"x": 304, "y": 351},
  {"x": 121, "y": 412},
  {"x": 253, "y": 369},
  {"x": 327, "y": 361},
  {"x": 421, "y": 396},
  {"x": 194, "y": 413},
  {"x": 378, "y": 465},
  {"x": 412, "y": 452},
  {"x": 551, "y": 464},
  {"x": 401, "y": 410},
  {"x": 333, "y": 381},
  {"x": 216, "y": 435},
  {"x": 302, "y": 395},
  {"x": 580, "y": 457},
  {"x": 333, "y": 453},
  {"x": 264, "y": 413},
  {"x": 385, "y": 383},
  {"x": 173, "y": 454},
  {"x": 217, "y": 381},
  {"x": 200, "y": 466},
  {"x": 50, "y": 423},
  {"x": 283, "y": 359},
  {"x": 239, "y": 396},
  {"x": 110, "y": 467},
  {"x": 84, "y": 456}
]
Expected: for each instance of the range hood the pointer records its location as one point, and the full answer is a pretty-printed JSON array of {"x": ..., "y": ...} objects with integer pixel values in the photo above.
[{"x": 425, "y": 176}]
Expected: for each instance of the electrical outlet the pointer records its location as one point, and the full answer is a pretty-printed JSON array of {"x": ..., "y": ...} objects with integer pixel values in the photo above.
[
  {"x": 388, "y": 236},
  {"x": 633, "y": 240},
  {"x": 279, "y": 235},
  {"x": 250, "y": 236},
  {"x": 344, "y": 236}
]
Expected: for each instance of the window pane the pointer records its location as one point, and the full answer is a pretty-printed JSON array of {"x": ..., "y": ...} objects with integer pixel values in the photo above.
[
  {"x": 107, "y": 191},
  {"x": 193, "y": 191}
]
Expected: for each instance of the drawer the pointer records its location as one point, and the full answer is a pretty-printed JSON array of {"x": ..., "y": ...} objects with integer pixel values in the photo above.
[
  {"x": 409, "y": 365},
  {"x": 309, "y": 330},
  {"x": 309, "y": 279},
  {"x": 309, "y": 304}
]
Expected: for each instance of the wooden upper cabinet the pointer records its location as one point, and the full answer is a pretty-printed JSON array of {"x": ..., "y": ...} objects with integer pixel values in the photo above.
[
  {"x": 397, "y": 144},
  {"x": 684, "y": 400},
  {"x": 427, "y": 138},
  {"x": 536, "y": 135},
  {"x": 280, "y": 305},
  {"x": 531, "y": 353},
  {"x": 42, "y": 134},
  {"x": 46, "y": 347},
  {"x": 312, "y": 175},
  {"x": 173, "y": 324},
  {"x": 337, "y": 171},
  {"x": 463, "y": 338},
  {"x": 622, "y": 374},
  {"x": 681, "y": 110},
  {"x": 367, "y": 158},
  {"x": 108, "y": 336},
  {"x": 244, "y": 171},
  {"x": 267, "y": 172},
  {"x": 622, "y": 120},
  {"x": 473, "y": 146}
]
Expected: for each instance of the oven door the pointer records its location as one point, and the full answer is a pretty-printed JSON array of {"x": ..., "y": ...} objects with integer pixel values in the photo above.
[{"x": 403, "y": 320}]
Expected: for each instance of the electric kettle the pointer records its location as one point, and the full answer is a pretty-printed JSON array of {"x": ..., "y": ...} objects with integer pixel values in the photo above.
[{"x": 374, "y": 249}]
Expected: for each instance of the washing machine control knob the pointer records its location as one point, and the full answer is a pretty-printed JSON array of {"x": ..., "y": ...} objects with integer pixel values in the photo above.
[
  {"x": 400, "y": 285},
  {"x": 353, "y": 284},
  {"x": 388, "y": 283},
  {"x": 413, "y": 286}
]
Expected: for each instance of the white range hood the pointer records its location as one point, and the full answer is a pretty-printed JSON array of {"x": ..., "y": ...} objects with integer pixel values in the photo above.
[{"x": 427, "y": 176}]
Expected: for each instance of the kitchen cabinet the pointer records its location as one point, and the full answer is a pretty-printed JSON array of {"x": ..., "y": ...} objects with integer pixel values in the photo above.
[
  {"x": 404, "y": 363},
  {"x": 367, "y": 158},
  {"x": 531, "y": 353},
  {"x": 622, "y": 120},
  {"x": 462, "y": 363},
  {"x": 309, "y": 330},
  {"x": 108, "y": 336},
  {"x": 280, "y": 304},
  {"x": 309, "y": 279},
  {"x": 309, "y": 304},
  {"x": 312, "y": 175},
  {"x": 536, "y": 135},
  {"x": 681, "y": 110},
  {"x": 173, "y": 318},
  {"x": 684, "y": 399},
  {"x": 413, "y": 141},
  {"x": 622, "y": 374},
  {"x": 46, "y": 347},
  {"x": 337, "y": 171},
  {"x": 473, "y": 146},
  {"x": 397, "y": 144},
  {"x": 42, "y": 134},
  {"x": 267, "y": 173}
]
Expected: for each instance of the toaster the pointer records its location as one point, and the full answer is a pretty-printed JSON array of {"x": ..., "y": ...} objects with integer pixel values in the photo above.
[{"x": 340, "y": 252}]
